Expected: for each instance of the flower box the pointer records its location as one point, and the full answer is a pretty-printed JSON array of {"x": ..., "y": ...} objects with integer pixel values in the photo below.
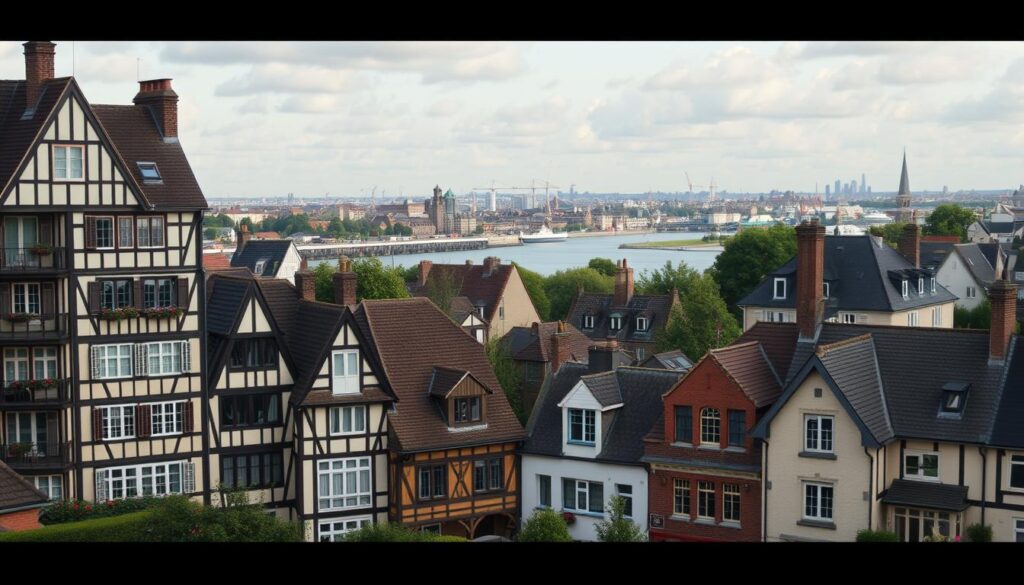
[
  {"x": 19, "y": 449},
  {"x": 569, "y": 517},
  {"x": 21, "y": 317},
  {"x": 162, "y": 312},
  {"x": 118, "y": 314},
  {"x": 41, "y": 249},
  {"x": 41, "y": 384}
]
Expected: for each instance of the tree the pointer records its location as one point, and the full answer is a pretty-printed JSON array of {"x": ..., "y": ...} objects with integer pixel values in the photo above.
[
  {"x": 509, "y": 374},
  {"x": 701, "y": 321},
  {"x": 323, "y": 276},
  {"x": 561, "y": 288},
  {"x": 979, "y": 317},
  {"x": 748, "y": 258},
  {"x": 373, "y": 280},
  {"x": 210, "y": 233},
  {"x": 441, "y": 288},
  {"x": 479, "y": 229},
  {"x": 248, "y": 223},
  {"x": 890, "y": 232},
  {"x": 949, "y": 220},
  {"x": 220, "y": 220},
  {"x": 534, "y": 284},
  {"x": 603, "y": 265},
  {"x": 545, "y": 525},
  {"x": 618, "y": 528},
  {"x": 662, "y": 281}
]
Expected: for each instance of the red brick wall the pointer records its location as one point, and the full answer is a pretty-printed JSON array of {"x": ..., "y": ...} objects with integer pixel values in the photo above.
[
  {"x": 18, "y": 521},
  {"x": 661, "y": 495}
]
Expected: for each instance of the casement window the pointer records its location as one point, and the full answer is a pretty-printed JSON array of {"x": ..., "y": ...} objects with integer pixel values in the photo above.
[
  {"x": 251, "y": 470},
  {"x": 923, "y": 466},
  {"x": 818, "y": 501},
  {"x": 118, "y": 422},
  {"x": 825, "y": 289},
  {"x": 588, "y": 321},
  {"x": 478, "y": 334},
  {"x": 26, "y": 297},
  {"x": 345, "y": 371},
  {"x": 626, "y": 493},
  {"x": 344, "y": 483},
  {"x": 582, "y": 426},
  {"x": 641, "y": 353},
  {"x": 250, "y": 410},
  {"x": 681, "y": 497},
  {"x": 335, "y": 530},
  {"x": 936, "y": 317},
  {"x": 44, "y": 362},
  {"x": 261, "y": 265},
  {"x": 116, "y": 294},
  {"x": 348, "y": 420},
  {"x": 730, "y": 502},
  {"x": 779, "y": 289},
  {"x": 467, "y": 409},
  {"x": 914, "y": 525},
  {"x": 15, "y": 365},
  {"x": 125, "y": 232},
  {"x": 615, "y": 323},
  {"x": 932, "y": 279},
  {"x": 111, "y": 361},
  {"x": 487, "y": 474},
  {"x": 432, "y": 481},
  {"x": 1017, "y": 472},
  {"x": 166, "y": 417},
  {"x": 154, "y": 479},
  {"x": 905, "y": 289},
  {"x": 972, "y": 292},
  {"x": 158, "y": 292},
  {"x": 583, "y": 496},
  {"x": 775, "y": 316},
  {"x": 737, "y": 428},
  {"x": 254, "y": 353},
  {"x": 150, "y": 232},
  {"x": 706, "y": 500},
  {"x": 684, "y": 424},
  {"x": 920, "y": 287},
  {"x": 642, "y": 323},
  {"x": 163, "y": 358},
  {"x": 710, "y": 426},
  {"x": 67, "y": 162},
  {"x": 150, "y": 173},
  {"x": 818, "y": 433},
  {"x": 51, "y": 485},
  {"x": 99, "y": 232},
  {"x": 912, "y": 319},
  {"x": 544, "y": 489}
]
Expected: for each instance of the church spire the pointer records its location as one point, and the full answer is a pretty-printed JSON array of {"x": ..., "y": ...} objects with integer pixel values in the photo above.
[{"x": 904, "y": 180}]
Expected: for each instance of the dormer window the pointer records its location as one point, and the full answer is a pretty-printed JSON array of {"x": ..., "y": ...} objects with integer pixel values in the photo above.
[
  {"x": 588, "y": 321},
  {"x": 780, "y": 289},
  {"x": 825, "y": 290},
  {"x": 954, "y": 398},
  {"x": 149, "y": 172},
  {"x": 67, "y": 162},
  {"x": 933, "y": 284},
  {"x": 642, "y": 323},
  {"x": 615, "y": 323},
  {"x": 905, "y": 289},
  {"x": 261, "y": 265},
  {"x": 920, "y": 286},
  {"x": 582, "y": 426},
  {"x": 345, "y": 371},
  {"x": 468, "y": 410}
]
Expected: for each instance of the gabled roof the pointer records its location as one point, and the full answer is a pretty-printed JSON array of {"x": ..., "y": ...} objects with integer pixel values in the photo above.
[
  {"x": 271, "y": 252},
  {"x": 980, "y": 260},
  {"x": 17, "y": 135},
  {"x": 748, "y": 366},
  {"x": 852, "y": 364},
  {"x": 476, "y": 283},
  {"x": 933, "y": 254},
  {"x": 18, "y": 493},
  {"x": 655, "y": 308},
  {"x": 445, "y": 380},
  {"x": 462, "y": 308},
  {"x": 604, "y": 387},
  {"x": 216, "y": 261},
  {"x": 778, "y": 340},
  {"x": 525, "y": 346},
  {"x": 669, "y": 360}
]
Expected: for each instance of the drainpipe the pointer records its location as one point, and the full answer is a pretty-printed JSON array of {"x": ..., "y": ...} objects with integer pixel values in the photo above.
[
  {"x": 984, "y": 480},
  {"x": 764, "y": 494},
  {"x": 871, "y": 475}
]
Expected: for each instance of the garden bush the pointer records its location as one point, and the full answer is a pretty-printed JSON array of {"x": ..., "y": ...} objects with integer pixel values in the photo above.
[
  {"x": 979, "y": 533},
  {"x": 77, "y": 510},
  {"x": 876, "y": 536},
  {"x": 545, "y": 525},
  {"x": 396, "y": 533},
  {"x": 124, "y": 528}
]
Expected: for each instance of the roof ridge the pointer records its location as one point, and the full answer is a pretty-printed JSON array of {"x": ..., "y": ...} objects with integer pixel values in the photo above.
[
  {"x": 825, "y": 348},
  {"x": 25, "y": 482},
  {"x": 734, "y": 346},
  {"x": 36, "y": 137}
]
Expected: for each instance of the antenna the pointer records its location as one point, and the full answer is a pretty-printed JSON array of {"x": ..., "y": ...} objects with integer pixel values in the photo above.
[{"x": 138, "y": 65}]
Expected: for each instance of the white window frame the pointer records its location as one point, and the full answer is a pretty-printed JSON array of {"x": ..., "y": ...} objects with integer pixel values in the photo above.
[
  {"x": 164, "y": 415},
  {"x": 133, "y": 481},
  {"x": 933, "y": 285},
  {"x": 642, "y": 323},
  {"x": 937, "y": 317},
  {"x": 817, "y": 488},
  {"x": 27, "y": 289},
  {"x": 905, "y": 289},
  {"x": 541, "y": 494},
  {"x": 615, "y": 323},
  {"x": 157, "y": 349},
  {"x": 582, "y": 487},
  {"x": 346, "y": 497},
  {"x": 41, "y": 362},
  {"x": 342, "y": 415},
  {"x": 1009, "y": 474},
  {"x": 113, "y": 231},
  {"x": 16, "y": 365},
  {"x": 775, "y": 289},
  {"x": 681, "y": 489},
  {"x": 147, "y": 221},
  {"x": 920, "y": 286},
  {"x": 826, "y": 289},
  {"x": 972, "y": 292},
  {"x": 335, "y": 529},
  {"x": 731, "y": 490},
  {"x": 1018, "y": 529},
  {"x": 115, "y": 422},
  {"x": 912, "y": 320},
  {"x": 67, "y": 162},
  {"x": 920, "y": 455},
  {"x": 706, "y": 417},
  {"x": 849, "y": 318},
  {"x": 626, "y": 496},
  {"x": 346, "y": 382},
  {"x": 588, "y": 321},
  {"x": 588, "y": 423},
  {"x": 125, "y": 222},
  {"x": 48, "y": 487},
  {"x": 706, "y": 487},
  {"x": 819, "y": 439}
]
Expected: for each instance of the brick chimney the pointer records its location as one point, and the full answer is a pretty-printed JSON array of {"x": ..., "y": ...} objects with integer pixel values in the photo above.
[
  {"x": 157, "y": 95},
  {"x": 810, "y": 274},
  {"x": 469, "y": 262},
  {"x": 910, "y": 244},
  {"x": 535, "y": 329},
  {"x": 491, "y": 264},
  {"x": 560, "y": 347},
  {"x": 601, "y": 356},
  {"x": 305, "y": 284},
  {"x": 38, "y": 69},
  {"x": 623, "y": 284},
  {"x": 344, "y": 283},
  {"x": 1003, "y": 296},
  {"x": 425, "y": 266},
  {"x": 244, "y": 235}
]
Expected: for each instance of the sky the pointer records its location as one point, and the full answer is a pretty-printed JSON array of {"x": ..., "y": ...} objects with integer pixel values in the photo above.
[{"x": 309, "y": 118}]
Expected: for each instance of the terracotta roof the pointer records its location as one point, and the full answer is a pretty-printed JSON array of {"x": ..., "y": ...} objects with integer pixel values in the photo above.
[
  {"x": 267, "y": 236},
  {"x": 747, "y": 364},
  {"x": 477, "y": 283},
  {"x": 525, "y": 346},
  {"x": 216, "y": 261},
  {"x": 16, "y": 134},
  {"x": 16, "y": 491}
]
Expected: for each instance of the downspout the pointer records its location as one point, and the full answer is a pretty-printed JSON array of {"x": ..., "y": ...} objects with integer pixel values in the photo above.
[
  {"x": 984, "y": 480},
  {"x": 764, "y": 494},
  {"x": 871, "y": 475}
]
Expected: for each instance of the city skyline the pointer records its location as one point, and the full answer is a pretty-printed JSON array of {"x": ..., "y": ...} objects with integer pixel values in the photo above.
[{"x": 267, "y": 118}]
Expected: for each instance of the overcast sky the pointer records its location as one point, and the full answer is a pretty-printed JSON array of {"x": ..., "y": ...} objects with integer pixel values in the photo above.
[{"x": 271, "y": 118}]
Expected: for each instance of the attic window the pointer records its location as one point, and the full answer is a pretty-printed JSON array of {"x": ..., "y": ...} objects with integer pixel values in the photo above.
[
  {"x": 825, "y": 291},
  {"x": 615, "y": 323},
  {"x": 920, "y": 286},
  {"x": 933, "y": 284},
  {"x": 588, "y": 321},
  {"x": 780, "y": 289},
  {"x": 149, "y": 172},
  {"x": 906, "y": 290},
  {"x": 954, "y": 397},
  {"x": 261, "y": 264},
  {"x": 642, "y": 323}
]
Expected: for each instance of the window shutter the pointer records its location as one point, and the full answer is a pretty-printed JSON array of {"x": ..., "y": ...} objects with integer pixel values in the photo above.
[
  {"x": 95, "y": 363},
  {"x": 141, "y": 361},
  {"x": 5, "y": 298},
  {"x": 188, "y": 472},
  {"x": 186, "y": 356},
  {"x": 94, "y": 297},
  {"x": 48, "y": 301},
  {"x": 97, "y": 423},
  {"x": 143, "y": 421},
  {"x": 187, "y": 425},
  {"x": 45, "y": 235},
  {"x": 137, "y": 293},
  {"x": 90, "y": 232},
  {"x": 101, "y": 486},
  {"x": 183, "y": 292}
]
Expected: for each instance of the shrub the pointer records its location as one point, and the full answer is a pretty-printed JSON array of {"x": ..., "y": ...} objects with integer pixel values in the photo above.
[
  {"x": 76, "y": 510},
  {"x": 876, "y": 536},
  {"x": 979, "y": 533},
  {"x": 395, "y": 533},
  {"x": 124, "y": 528},
  {"x": 618, "y": 528},
  {"x": 545, "y": 525}
]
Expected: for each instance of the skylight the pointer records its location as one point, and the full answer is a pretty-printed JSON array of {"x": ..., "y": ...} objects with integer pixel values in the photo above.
[{"x": 149, "y": 172}]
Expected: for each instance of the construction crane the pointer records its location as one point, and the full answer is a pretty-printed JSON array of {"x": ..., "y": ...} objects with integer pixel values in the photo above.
[
  {"x": 494, "y": 193},
  {"x": 547, "y": 199}
]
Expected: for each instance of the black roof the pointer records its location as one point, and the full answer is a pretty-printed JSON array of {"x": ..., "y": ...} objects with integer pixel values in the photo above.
[
  {"x": 926, "y": 494},
  {"x": 669, "y": 360},
  {"x": 980, "y": 260},
  {"x": 933, "y": 254},
  {"x": 655, "y": 308},
  {"x": 271, "y": 252},
  {"x": 863, "y": 274}
]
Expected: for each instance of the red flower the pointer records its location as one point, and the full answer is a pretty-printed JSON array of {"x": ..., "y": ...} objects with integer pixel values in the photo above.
[
  {"x": 75, "y": 506},
  {"x": 88, "y": 508}
]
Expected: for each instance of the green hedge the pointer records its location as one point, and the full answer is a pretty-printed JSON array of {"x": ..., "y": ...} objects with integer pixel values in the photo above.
[
  {"x": 124, "y": 528},
  {"x": 78, "y": 510},
  {"x": 396, "y": 533},
  {"x": 876, "y": 536}
]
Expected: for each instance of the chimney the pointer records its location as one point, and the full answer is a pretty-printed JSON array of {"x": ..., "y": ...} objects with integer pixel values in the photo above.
[
  {"x": 425, "y": 266},
  {"x": 157, "y": 95},
  {"x": 344, "y": 283},
  {"x": 305, "y": 285},
  {"x": 910, "y": 244},
  {"x": 304, "y": 264},
  {"x": 535, "y": 329},
  {"x": 623, "y": 284},
  {"x": 601, "y": 356},
  {"x": 491, "y": 263},
  {"x": 560, "y": 347},
  {"x": 244, "y": 235},
  {"x": 810, "y": 274},
  {"x": 469, "y": 262},
  {"x": 38, "y": 69},
  {"x": 1003, "y": 296}
]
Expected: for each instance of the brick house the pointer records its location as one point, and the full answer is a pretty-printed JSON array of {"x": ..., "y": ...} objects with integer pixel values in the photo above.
[{"x": 20, "y": 501}]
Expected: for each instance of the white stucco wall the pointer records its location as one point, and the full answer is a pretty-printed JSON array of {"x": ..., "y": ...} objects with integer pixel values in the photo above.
[{"x": 956, "y": 277}]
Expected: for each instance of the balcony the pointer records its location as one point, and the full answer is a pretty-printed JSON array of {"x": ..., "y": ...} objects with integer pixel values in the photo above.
[
  {"x": 52, "y": 455},
  {"x": 40, "y": 258},
  {"x": 29, "y": 327},
  {"x": 34, "y": 395}
]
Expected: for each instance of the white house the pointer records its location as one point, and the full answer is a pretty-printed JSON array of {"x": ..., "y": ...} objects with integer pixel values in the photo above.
[{"x": 966, "y": 270}]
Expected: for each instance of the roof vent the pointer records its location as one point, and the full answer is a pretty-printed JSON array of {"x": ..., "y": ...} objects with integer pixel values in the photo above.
[{"x": 954, "y": 398}]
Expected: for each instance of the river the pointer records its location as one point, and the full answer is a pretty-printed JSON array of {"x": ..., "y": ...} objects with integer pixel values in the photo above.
[{"x": 548, "y": 258}]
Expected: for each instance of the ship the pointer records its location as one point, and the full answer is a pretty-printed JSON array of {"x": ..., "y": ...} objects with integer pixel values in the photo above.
[{"x": 543, "y": 235}]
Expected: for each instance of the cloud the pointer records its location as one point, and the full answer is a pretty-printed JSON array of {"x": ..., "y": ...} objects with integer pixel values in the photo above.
[
  {"x": 823, "y": 49},
  {"x": 280, "y": 78},
  {"x": 9, "y": 49},
  {"x": 310, "y": 104},
  {"x": 1004, "y": 102},
  {"x": 443, "y": 108},
  {"x": 256, "y": 105},
  {"x": 110, "y": 67},
  {"x": 734, "y": 66},
  {"x": 522, "y": 125}
]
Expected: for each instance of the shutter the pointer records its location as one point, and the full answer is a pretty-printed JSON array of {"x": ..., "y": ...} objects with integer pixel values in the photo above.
[
  {"x": 95, "y": 364},
  {"x": 95, "y": 292},
  {"x": 143, "y": 421},
  {"x": 48, "y": 301},
  {"x": 5, "y": 298},
  {"x": 188, "y": 473},
  {"x": 97, "y": 423},
  {"x": 45, "y": 234},
  {"x": 137, "y": 293},
  {"x": 183, "y": 293},
  {"x": 141, "y": 361},
  {"x": 101, "y": 486},
  {"x": 186, "y": 356},
  {"x": 90, "y": 232},
  {"x": 187, "y": 426}
]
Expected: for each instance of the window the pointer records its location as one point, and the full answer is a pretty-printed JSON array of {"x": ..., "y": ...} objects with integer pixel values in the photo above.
[
  {"x": 432, "y": 481},
  {"x": 972, "y": 292},
  {"x": 905, "y": 289},
  {"x": 681, "y": 497},
  {"x": 164, "y": 357},
  {"x": 641, "y": 353},
  {"x": 921, "y": 466},
  {"x": 932, "y": 279},
  {"x": 15, "y": 365},
  {"x": 544, "y": 485},
  {"x": 737, "y": 427},
  {"x": 431, "y": 529},
  {"x": 250, "y": 410},
  {"x": 112, "y": 361},
  {"x": 1017, "y": 471},
  {"x": 104, "y": 232},
  {"x": 583, "y": 496},
  {"x": 588, "y": 321},
  {"x": 936, "y": 317},
  {"x": 684, "y": 424},
  {"x": 818, "y": 433},
  {"x": 615, "y": 323},
  {"x": 730, "y": 502},
  {"x": 642, "y": 323},
  {"x": 158, "y": 479},
  {"x": 345, "y": 373},
  {"x": 118, "y": 422},
  {"x": 115, "y": 294},
  {"x": 51, "y": 485},
  {"x": 125, "y": 232},
  {"x": 348, "y": 420},
  {"x": 920, "y": 286},
  {"x": 487, "y": 474},
  {"x": 44, "y": 362},
  {"x": 67, "y": 162},
  {"x": 335, "y": 530},
  {"x": 825, "y": 290},
  {"x": 344, "y": 483},
  {"x": 26, "y": 297},
  {"x": 582, "y": 426},
  {"x": 149, "y": 172},
  {"x": 775, "y": 316},
  {"x": 818, "y": 501},
  {"x": 915, "y": 525},
  {"x": 252, "y": 470},
  {"x": 167, "y": 417},
  {"x": 261, "y": 265},
  {"x": 501, "y": 310},
  {"x": 254, "y": 353},
  {"x": 912, "y": 319},
  {"x": 780, "y": 289},
  {"x": 467, "y": 409},
  {"x": 710, "y": 426},
  {"x": 626, "y": 493},
  {"x": 150, "y": 231},
  {"x": 1018, "y": 529},
  {"x": 849, "y": 318},
  {"x": 706, "y": 500},
  {"x": 158, "y": 292}
]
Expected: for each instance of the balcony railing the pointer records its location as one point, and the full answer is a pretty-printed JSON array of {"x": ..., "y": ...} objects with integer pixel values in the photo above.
[
  {"x": 35, "y": 392},
  {"x": 36, "y": 455},
  {"x": 32, "y": 259},
  {"x": 15, "y": 326}
]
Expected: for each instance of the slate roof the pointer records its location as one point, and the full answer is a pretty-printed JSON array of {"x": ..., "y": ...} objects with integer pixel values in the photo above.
[
  {"x": 853, "y": 366},
  {"x": 655, "y": 307},
  {"x": 16, "y": 134},
  {"x": 640, "y": 390},
  {"x": 998, "y": 227},
  {"x": 863, "y": 275},
  {"x": 980, "y": 260},
  {"x": 926, "y": 494},
  {"x": 224, "y": 304},
  {"x": 669, "y": 360},
  {"x": 17, "y": 492},
  {"x": 271, "y": 252},
  {"x": 604, "y": 387},
  {"x": 525, "y": 346},
  {"x": 748, "y": 366},
  {"x": 476, "y": 283},
  {"x": 933, "y": 254}
]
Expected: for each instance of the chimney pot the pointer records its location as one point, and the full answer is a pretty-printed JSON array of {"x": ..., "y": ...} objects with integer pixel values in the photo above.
[
  {"x": 623, "y": 284},
  {"x": 425, "y": 266},
  {"x": 810, "y": 274},
  {"x": 345, "y": 283},
  {"x": 159, "y": 97},
  {"x": 910, "y": 244}
]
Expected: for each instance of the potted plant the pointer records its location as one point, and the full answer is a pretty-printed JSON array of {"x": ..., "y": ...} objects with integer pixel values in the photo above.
[
  {"x": 21, "y": 317},
  {"x": 41, "y": 384},
  {"x": 40, "y": 249},
  {"x": 569, "y": 517},
  {"x": 19, "y": 449},
  {"x": 118, "y": 314},
  {"x": 162, "y": 312}
]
